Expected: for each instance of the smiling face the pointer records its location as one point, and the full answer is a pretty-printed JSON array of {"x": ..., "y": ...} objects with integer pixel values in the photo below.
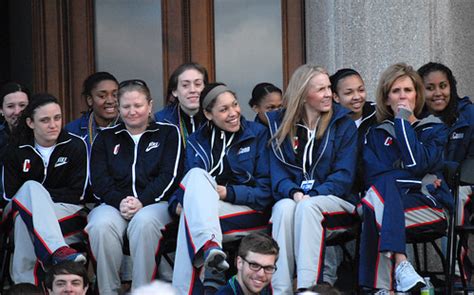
[
  {"x": 225, "y": 113},
  {"x": 68, "y": 284},
  {"x": 250, "y": 280},
  {"x": 46, "y": 124},
  {"x": 437, "y": 91},
  {"x": 135, "y": 109},
  {"x": 402, "y": 94},
  {"x": 103, "y": 101},
  {"x": 190, "y": 85},
  {"x": 319, "y": 97},
  {"x": 351, "y": 94},
  {"x": 13, "y": 104}
]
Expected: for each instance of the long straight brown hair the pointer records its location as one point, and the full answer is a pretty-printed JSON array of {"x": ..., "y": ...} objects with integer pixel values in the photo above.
[{"x": 294, "y": 100}]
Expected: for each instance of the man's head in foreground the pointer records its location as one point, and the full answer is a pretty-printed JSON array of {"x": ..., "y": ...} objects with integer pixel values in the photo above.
[
  {"x": 256, "y": 261},
  {"x": 67, "y": 278}
]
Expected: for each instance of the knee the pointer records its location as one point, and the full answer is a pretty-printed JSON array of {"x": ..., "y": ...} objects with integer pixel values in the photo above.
[
  {"x": 303, "y": 206},
  {"x": 30, "y": 187},
  {"x": 284, "y": 210},
  {"x": 146, "y": 223},
  {"x": 32, "y": 183},
  {"x": 307, "y": 206},
  {"x": 141, "y": 222},
  {"x": 102, "y": 226},
  {"x": 196, "y": 173}
]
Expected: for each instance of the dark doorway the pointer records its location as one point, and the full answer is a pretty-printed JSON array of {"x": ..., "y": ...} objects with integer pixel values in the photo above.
[{"x": 15, "y": 42}]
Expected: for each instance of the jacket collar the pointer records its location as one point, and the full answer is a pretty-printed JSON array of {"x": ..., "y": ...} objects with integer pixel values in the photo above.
[
  {"x": 84, "y": 122},
  {"x": 244, "y": 133},
  {"x": 200, "y": 141},
  {"x": 64, "y": 137},
  {"x": 388, "y": 125},
  {"x": 152, "y": 127},
  {"x": 275, "y": 118},
  {"x": 368, "y": 111}
]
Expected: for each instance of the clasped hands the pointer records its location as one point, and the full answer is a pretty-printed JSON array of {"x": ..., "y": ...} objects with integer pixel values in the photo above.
[{"x": 129, "y": 206}]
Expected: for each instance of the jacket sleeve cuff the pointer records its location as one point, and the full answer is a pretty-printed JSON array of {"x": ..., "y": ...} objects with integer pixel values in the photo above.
[
  {"x": 230, "y": 197},
  {"x": 313, "y": 193},
  {"x": 404, "y": 114},
  {"x": 293, "y": 191},
  {"x": 148, "y": 200}
]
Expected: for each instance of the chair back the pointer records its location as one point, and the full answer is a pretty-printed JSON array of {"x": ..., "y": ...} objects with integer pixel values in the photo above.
[{"x": 466, "y": 172}]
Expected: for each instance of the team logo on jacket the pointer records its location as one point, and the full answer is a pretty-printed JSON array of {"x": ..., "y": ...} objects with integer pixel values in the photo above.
[
  {"x": 61, "y": 161},
  {"x": 388, "y": 141},
  {"x": 26, "y": 165},
  {"x": 456, "y": 135},
  {"x": 116, "y": 149},
  {"x": 152, "y": 145},
  {"x": 244, "y": 150}
]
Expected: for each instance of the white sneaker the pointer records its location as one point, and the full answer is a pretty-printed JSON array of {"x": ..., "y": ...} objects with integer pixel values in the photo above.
[
  {"x": 382, "y": 292},
  {"x": 407, "y": 278}
]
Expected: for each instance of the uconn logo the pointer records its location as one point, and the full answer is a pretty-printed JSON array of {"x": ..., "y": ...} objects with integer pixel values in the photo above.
[
  {"x": 456, "y": 135},
  {"x": 243, "y": 150}
]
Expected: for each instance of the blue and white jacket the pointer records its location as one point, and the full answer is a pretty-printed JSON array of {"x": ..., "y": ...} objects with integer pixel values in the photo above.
[
  {"x": 169, "y": 114},
  {"x": 247, "y": 157},
  {"x": 407, "y": 152},
  {"x": 369, "y": 119},
  {"x": 65, "y": 177},
  {"x": 149, "y": 170},
  {"x": 461, "y": 134},
  {"x": 172, "y": 114},
  {"x": 80, "y": 127},
  {"x": 334, "y": 169}
]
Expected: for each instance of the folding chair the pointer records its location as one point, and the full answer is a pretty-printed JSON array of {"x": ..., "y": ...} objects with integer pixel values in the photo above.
[
  {"x": 424, "y": 238},
  {"x": 341, "y": 240},
  {"x": 7, "y": 246},
  {"x": 464, "y": 176}
]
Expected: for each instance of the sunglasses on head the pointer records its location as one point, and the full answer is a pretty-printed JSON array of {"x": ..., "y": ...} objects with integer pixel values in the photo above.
[{"x": 133, "y": 82}]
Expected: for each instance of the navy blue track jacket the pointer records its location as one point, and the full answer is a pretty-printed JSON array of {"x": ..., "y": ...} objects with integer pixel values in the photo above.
[
  {"x": 407, "y": 152},
  {"x": 65, "y": 178},
  {"x": 247, "y": 157},
  {"x": 149, "y": 170},
  {"x": 334, "y": 169},
  {"x": 461, "y": 133}
]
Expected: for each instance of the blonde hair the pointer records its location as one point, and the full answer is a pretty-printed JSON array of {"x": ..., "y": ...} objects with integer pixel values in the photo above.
[
  {"x": 294, "y": 100},
  {"x": 387, "y": 79}
]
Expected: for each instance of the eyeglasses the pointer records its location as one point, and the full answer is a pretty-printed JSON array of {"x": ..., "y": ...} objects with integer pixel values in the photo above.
[
  {"x": 269, "y": 269},
  {"x": 133, "y": 82}
]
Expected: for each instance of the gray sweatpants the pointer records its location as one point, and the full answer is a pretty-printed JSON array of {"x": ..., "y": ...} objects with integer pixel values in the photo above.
[
  {"x": 200, "y": 221},
  {"x": 36, "y": 205},
  {"x": 107, "y": 228},
  {"x": 298, "y": 229}
]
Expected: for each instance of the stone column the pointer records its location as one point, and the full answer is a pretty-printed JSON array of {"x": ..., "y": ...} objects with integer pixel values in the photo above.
[{"x": 370, "y": 35}]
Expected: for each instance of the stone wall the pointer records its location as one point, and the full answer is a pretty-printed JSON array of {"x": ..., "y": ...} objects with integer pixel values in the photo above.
[{"x": 370, "y": 35}]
